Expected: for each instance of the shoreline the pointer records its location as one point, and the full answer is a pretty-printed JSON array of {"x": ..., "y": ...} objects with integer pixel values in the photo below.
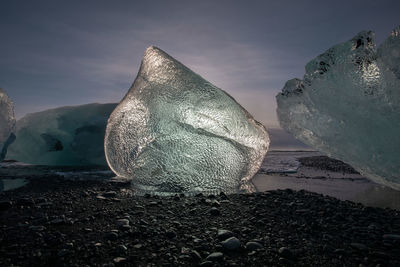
[
  {"x": 72, "y": 217},
  {"x": 61, "y": 222}
]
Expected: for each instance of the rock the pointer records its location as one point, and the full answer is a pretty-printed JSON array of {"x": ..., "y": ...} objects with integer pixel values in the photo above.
[
  {"x": 119, "y": 260},
  {"x": 57, "y": 221},
  {"x": 207, "y": 264},
  {"x": 231, "y": 243},
  {"x": 391, "y": 237},
  {"x": 37, "y": 228},
  {"x": 359, "y": 246},
  {"x": 111, "y": 236},
  {"x": 339, "y": 251},
  {"x": 122, "y": 222},
  {"x": 170, "y": 234},
  {"x": 121, "y": 249},
  {"x": 224, "y": 234},
  {"x": 253, "y": 246},
  {"x": 195, "y": 256},
  {"x": 285, "y": 252},
  {"x": 216, "y": 256},
  {"x": 25, "y": 202},
  {"x": 4, "y": 205},
  {"x": 63, "y": 252},
  {"x": 110, "y": 194},
  {"x": 214, "y": 211}
]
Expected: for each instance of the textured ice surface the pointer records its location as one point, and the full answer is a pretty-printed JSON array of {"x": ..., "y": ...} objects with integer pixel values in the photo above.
[
  {"x": 62, "y": 136},
  {"x": 176, "y": 132},
  {"x": 7, "y": 123},
  {"x": 348, "y": 106}
]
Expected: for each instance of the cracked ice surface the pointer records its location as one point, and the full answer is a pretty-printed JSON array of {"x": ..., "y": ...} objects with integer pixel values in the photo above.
[
  {"x": 348, "y": 106},
  {"x": 176, "y": 132},
  {"x": 7, "y": 123}
]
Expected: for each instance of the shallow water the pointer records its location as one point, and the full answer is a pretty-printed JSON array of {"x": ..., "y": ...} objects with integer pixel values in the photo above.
[
  {"x": 344, "y": 186},
  {"x": 284, "y": 161},
  {"x": 280, "y": 170}
]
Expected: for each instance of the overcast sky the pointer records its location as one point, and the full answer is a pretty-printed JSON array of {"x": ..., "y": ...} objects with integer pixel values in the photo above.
[{"x": 56, "y": 53}]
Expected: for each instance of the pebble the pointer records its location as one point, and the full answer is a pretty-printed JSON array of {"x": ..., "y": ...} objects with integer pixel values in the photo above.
[
  {"x": 285, "y": 252},
  {"x": 25, "y": 202},
  {"x": 216, "y": 256},
  {"x": 4, "y": 205},
  {"x": 138, "y": 246},
  {"x": 391, "y": 237},
  {"x": 359, "y": 246},
  {"x": 38, "y": 228},
  {"x": 195, "y": 255},
  {"x": 122, "y": 222},
  {"x": 121, "y": 249},
  {"x": 224, "y": 234},
  {"x": 111, "y": 236},
  {"x": 251, "y": 246},
  {"x": 63, "y": 252},
  {"x": 119, "y": 259},
  {"x": 109, "y": 194},
  {"x": 231, "y": 243},
  {"x": 170, "y": 234},
  {"x": 214, "y": 211},
  {"x": 207, "y": 264}
]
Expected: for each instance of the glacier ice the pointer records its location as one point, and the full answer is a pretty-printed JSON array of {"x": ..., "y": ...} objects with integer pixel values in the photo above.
[
  {"x": 72, "y": 135},
  {"x": 7, "y": 123},
  {"x": 176, "y": 132},
  {"x": 348, "y": 106}
]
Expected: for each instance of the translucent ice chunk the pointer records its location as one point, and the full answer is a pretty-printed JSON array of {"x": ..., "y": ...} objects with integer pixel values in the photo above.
[
  {"x": 176, "y": 132},
  {"x": 348, "y": 106},
  {"x": 62, "y": 136},
  {"x": 7, "y": 123}
]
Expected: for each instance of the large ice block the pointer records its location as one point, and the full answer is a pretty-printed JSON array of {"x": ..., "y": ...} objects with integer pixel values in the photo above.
[
  {"x": 176, "y": 132},
  {"x": 71, "y": 135},
  {"x": 348, "y": 106},
  {"x": 7, "y": 123}
]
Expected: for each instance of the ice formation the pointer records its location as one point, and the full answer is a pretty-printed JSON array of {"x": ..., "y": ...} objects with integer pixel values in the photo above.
[
  {"x": 7, "y": 123},
  {"x": 176, "y": 132},
  {"x": 348, "y": 106},
  {"x": 62, "y": 136}
]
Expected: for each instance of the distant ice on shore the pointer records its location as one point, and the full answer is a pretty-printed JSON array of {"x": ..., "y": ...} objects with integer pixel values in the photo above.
[{"x": 68, "y": 136}]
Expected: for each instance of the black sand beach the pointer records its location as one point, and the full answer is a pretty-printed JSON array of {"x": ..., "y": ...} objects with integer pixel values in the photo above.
[{"x": 53, "y": 221}]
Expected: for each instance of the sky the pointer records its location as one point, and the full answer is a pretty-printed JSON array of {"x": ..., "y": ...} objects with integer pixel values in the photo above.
[{"x": 57, "y": 53}]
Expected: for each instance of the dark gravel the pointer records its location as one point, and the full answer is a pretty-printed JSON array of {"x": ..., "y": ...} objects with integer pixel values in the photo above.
[{"x": 56, "y": 222}]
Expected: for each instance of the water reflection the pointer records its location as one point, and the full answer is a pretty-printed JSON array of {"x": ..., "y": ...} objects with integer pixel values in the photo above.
[{"x": 358, "y": 190}]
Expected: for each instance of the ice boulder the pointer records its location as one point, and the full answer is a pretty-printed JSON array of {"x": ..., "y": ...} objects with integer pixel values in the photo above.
[
  {"x": 7, "y": 123},
  {"x": 348, "y": 106},
  {"x": 71, "y": 135},
  {"x": 176, "y": 132}
]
